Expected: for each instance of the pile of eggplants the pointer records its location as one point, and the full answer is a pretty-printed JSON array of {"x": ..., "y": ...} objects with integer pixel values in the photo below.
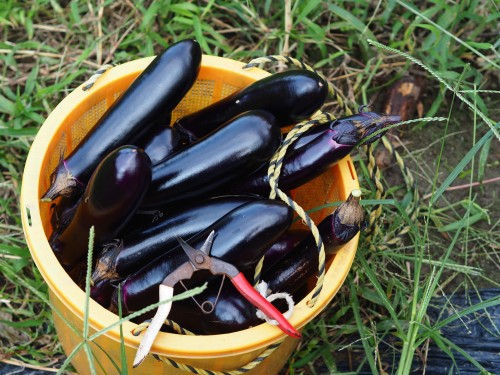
[{"x": 142, "y": 183}]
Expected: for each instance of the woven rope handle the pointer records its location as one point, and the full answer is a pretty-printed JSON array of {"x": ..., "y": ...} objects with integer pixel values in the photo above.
[
  {"x": 276, "y": 164},
  {"x": 92, "y": 80},
  {"x": 177, "y": 328}
]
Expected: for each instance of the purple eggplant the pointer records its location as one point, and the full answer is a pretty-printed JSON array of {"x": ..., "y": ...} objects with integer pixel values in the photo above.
[
  {"x": 302, "y": 164},
  {"x": 228, "y": 153},
  {"x": 115, "y": 190},
  {"x": 120, "y": 258},
  {"x": 152, "y": 95},
  {"x": 216, "y": 311},
  {"x": 232, "y": 312},
  {"x": 364, "y": 121},
  {"x": 291, "y": 96},
  {"x": 301, "y": 263},
  {"x": 62, "y": 213},
  {"x": 284, "y": 245},
  {"x": 241, "y": 237},
  {"x": 161, "y": 141}
]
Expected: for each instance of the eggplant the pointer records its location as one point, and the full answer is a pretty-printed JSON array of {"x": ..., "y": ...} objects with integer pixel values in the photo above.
[
  {"x": 366, "y": 122},
  {"x": 102, "y": 291},
  {"x": 119, "y": 258},
  {"x": 234, "y": 149},
  {"x": 291, "y": 96},
  {"x": 301, "y": 263},
  {"x": 232, "y": 312},
  {"x": 160, "y": 142},
  {"x": 216, "y": 311},
  {"x": 241, "y": 237},
  {"x": 222, "y": 310},
  {"x": 284, "y": 245},
  {"x": 152, "y": 95},
  {"x": 302, "y": 164},
  {"x": 115, "y": 190},
  {"x": 62, "y": 213}
]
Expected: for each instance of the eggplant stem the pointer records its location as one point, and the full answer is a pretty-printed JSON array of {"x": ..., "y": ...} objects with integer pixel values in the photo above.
[
  {"x": 350, "y": 212},
  {"x": 105, "y": 267},
  {"x": 62, "y": 182}
]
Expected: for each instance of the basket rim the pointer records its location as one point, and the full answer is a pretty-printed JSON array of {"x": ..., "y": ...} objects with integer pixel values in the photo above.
[{"x": 166, "y": 344}]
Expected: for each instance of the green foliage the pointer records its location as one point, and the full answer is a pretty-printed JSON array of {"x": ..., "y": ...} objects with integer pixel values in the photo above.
[{"x": 48, "y": 48}]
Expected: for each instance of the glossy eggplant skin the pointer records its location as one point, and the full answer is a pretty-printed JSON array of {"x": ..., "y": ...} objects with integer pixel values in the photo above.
[
  {"x": 138, "y": 248},
  {"x": 161, "y": 141},
  {"x": 302, "y": 262},
  {"x": 290, "y": 274},
  {"x": 366, "y": 123},
  {"x": 234, "y": 149},
  {"x": 231, "y": 311},
  {"x": 291, "y": 96},
  {"x": 113, "y": 193},
  {"x": 241, "y": 237},
  {"x": 284, "y": 245},
  {"x": 152, "y": 95},
  {"x": 62, "y": 213},
  {"x": 307, "y": 162}
]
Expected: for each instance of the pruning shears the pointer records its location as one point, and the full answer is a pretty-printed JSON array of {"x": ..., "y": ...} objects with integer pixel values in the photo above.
[{"x": 201, "y": 260}]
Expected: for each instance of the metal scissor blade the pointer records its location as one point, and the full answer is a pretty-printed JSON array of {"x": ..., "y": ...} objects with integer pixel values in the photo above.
[
  {"x": 207, "y": 245},
  {"x": 192, "y": 253}
]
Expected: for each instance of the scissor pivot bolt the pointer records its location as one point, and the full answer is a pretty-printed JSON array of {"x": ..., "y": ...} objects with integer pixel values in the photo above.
[{"x": 199, "y": 259}]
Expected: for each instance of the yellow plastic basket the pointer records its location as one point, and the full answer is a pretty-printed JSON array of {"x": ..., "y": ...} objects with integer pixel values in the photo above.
[{"x": 61, "y": 132}]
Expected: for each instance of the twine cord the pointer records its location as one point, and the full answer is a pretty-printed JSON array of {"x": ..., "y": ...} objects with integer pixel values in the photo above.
[
  {"x": 274, "y": 171},
  {"x": 262, "y": 289},
  {"x": 90, "y": 82},
  {"x": 178, "y": 329}
]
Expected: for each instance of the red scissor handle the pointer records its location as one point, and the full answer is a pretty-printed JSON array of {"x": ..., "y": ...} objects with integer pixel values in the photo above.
[{"x": 249, "y": 292}]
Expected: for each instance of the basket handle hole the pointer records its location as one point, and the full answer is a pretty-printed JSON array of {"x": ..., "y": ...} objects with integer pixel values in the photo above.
[
  {"x": 349, "y": 164},
  {"x": 28, "y": 216}
]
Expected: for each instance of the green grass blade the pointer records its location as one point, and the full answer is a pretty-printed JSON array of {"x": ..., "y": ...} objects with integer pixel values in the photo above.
[
  {"x": 123, "y": 354},
  {"x": 382, "y": 295},
  {"x": 415, "y": 11},
  {"x": 484, "y": 305},
  {"x": 86, "y": 346},
  {"x": 351, "y": 20},
  {"x": 461, "y": 165},
  {"x": 361, "y": 328}
]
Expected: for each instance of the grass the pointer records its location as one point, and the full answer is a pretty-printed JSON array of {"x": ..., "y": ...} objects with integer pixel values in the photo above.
[{"x": 380, "y": 320}]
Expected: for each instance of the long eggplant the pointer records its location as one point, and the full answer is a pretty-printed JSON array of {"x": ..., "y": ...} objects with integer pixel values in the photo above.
[
  {"x": 152, "y": 95},
  {"x": 291, "y": 96},
  {"x": 309, "y": 160},
  {"x": 232, "y": 312},
  {"x": 241, "y": 238},
  {"x": 119, "y": 258},
  {"x": 115, "y": 190},
  {"x": 363, "y": 120},
  {"x": 228, "y": 153},
  {"x": 301, "y": 263}
]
